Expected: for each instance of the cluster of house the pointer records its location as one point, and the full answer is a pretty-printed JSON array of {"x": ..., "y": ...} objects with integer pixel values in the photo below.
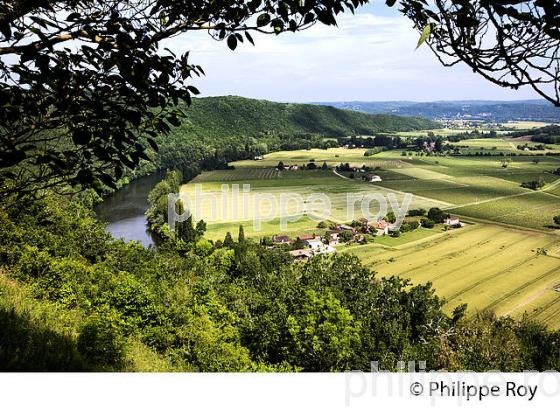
[
  {"x": 372, "y": 178},
  {"x": 314, "y": 245},
  {"x": 350, "y": 146},
  {"x": 291, "y": 167}
]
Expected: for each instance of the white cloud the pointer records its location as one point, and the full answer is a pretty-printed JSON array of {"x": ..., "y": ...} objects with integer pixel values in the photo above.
[{"x": 368, "y": 57}]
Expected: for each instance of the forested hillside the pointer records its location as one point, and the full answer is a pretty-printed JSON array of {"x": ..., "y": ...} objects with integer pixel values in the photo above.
[
  {"x": 221, "y": 129},
  {"x": 234, "y": 116}
]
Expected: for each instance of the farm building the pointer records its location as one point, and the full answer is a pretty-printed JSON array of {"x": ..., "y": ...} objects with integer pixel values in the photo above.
[
  {"x": 381, "y": 227},
  {"x": 452, "y": 221},
  {"x": 346, "y": 228},
  {"x": 308, "y": 237},
  {"x": 315, "y": 243},
  {"x": 302, "y": 253},
  {"x": 333, "y": 237},
  {"x": 372, "y": 178},
  {"x": 281, "y": 239}
]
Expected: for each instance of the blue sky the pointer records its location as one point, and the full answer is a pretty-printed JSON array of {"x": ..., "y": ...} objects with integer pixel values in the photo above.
[{"x": 371, "y": 56}]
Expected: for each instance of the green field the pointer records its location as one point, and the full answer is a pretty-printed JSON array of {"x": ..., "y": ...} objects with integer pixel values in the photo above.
[
  {"x": 506, "y": 260},
  {"x": 479, "y": 187},
  {"x": 502, "y": 145},
  {"x": 475, "y": 187},
  {"x": 242, "y": 209},
  {"x": 489, "y": 267}
]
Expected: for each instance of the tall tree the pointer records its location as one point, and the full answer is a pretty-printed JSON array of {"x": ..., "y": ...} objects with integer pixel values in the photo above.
[
  {"x": 228, "y": 240},
  {"x": 511, "y": 43},
  {"x": 186, "y": 231},
  {"x": 86, "y": 86},
  {"x": 241, "y": 235}
]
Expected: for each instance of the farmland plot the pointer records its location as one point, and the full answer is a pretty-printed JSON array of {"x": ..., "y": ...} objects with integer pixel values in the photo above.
[{"x": 488, "y": 267}]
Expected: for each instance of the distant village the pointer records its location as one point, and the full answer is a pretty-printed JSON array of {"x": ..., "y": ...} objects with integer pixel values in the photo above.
[{"x": 361, "y": 231}]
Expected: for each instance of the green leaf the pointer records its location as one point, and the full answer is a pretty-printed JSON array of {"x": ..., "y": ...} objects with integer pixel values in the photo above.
[
  {"x": 250, "y": 38},
  {"x": 425, "y": 34},
  {"x": 263, "y": 20},
  {"x": 232, "y": 42}
]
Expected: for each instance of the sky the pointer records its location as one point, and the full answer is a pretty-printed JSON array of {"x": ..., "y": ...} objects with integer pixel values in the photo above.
[{"x": 370, "y": 56}]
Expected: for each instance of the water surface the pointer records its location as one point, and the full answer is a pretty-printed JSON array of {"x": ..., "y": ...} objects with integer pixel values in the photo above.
[{"x": 124, "y": 211}]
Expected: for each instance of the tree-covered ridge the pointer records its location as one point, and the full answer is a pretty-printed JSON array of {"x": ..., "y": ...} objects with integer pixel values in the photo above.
[
  {"x": 218, "y": 130},
  {"x": 235, "y": 116}
]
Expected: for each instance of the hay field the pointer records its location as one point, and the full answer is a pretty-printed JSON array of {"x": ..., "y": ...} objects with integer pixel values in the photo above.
[{"x": 489, "y": 267}]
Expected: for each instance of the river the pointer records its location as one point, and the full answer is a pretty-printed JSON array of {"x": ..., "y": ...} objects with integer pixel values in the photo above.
[{"x": 124, "y": 211}]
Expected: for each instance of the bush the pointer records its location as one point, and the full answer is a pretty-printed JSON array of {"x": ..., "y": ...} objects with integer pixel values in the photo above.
[
  {"x": 346, "y": 236},
  {"x": 101, "y": 340},
  {"x": 405, "y": 227},
  {"x": 427, "y": 223},
  {"x": 437, "y": 215},
  {"x": 417, "y": 212},
  {"x": 409, "y": 226},
  {"x": 395, "y": 234},
  {"x": 534, "y": 185}
]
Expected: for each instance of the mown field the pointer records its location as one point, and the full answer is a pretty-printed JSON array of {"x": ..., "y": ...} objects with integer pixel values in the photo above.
[
  {"x": 225, "y": 211},
  {"x": 475, "y": 187},
  {"x": 490, "y": 267}
]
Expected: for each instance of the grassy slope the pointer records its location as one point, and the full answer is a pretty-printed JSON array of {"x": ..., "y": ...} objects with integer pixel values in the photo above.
[
  {"x": 42, "y": 336},
  {"x": 231, "y": 116}
]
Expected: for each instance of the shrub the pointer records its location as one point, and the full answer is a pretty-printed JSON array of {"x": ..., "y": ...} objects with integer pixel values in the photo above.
[
  {"x": 437, "y": 215},
  {"x": 417, "y": 212},
  {"x": 346, "y": 236},
  {"x": 101, "y": 340},
  {"x": 427, "y": 223},
  {"x": 390, "y": 217},
  {"x": 534, "y": 185}
]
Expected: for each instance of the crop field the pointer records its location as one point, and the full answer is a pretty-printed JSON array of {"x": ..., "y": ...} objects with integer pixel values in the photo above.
[
  {"x": 225, "y": 210},
  {"x": 480, "y": 187},
  {"x": 501, "y": 145},
  {"x": 505, "y": 270},
  {"x": 506, "y": 259},
  {"x": 332, "y": 156},
  {"x": 523, "y": 125}
]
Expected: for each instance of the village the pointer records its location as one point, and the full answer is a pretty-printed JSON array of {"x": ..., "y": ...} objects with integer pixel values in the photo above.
[{"x": 361, "y": 231}]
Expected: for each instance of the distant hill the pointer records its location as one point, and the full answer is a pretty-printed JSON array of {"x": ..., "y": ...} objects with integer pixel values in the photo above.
[
  {"x": 235, "y": 116},
  {"x": 499, "y": 111},
  {"x": 218, "y": 130}
]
